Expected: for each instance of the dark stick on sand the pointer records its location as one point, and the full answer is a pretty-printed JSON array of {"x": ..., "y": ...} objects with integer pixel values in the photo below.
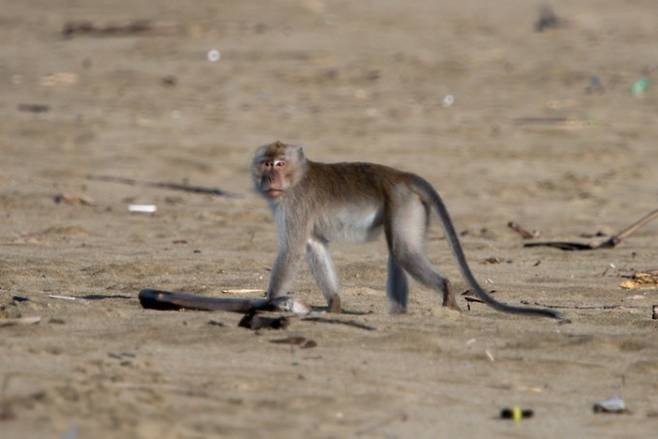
[
  {"x": 167, "y": 300},
  {"x": 608, "y": 243}
]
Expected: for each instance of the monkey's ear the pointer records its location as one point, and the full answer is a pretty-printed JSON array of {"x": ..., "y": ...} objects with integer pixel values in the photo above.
[{"x": 299, "y": 152}]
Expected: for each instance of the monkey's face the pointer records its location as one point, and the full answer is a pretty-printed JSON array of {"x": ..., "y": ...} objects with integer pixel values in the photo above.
[{"x": 276, "y": 168}]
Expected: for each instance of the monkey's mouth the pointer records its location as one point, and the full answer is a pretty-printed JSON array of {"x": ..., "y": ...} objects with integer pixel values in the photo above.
[{"x": 274, "y": 193}]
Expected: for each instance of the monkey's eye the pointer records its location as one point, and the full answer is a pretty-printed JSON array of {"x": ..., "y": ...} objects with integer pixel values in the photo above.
[{"x": 279, "y": 163}]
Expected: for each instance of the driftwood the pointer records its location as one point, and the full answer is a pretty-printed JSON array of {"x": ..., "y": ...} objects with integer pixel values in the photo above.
[
  {"x": 608, "y": 243},
  {"x": 164, "y": 185},
  {"x": 167, "y": 300}
]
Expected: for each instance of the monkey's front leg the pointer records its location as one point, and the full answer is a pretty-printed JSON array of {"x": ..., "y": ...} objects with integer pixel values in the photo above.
[
  {"x": 283, "y": 271},
  {"x": 324, "y": 273}
]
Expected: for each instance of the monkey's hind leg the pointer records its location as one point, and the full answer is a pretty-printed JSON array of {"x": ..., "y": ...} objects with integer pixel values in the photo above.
[
  {"x": 406, "y": 236},
  {"x": 324, "y": 273},
  {"x": 397, "y": 288}
]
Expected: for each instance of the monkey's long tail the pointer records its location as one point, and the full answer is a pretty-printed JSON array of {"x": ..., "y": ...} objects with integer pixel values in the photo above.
[{"x": 456, "y": 247}]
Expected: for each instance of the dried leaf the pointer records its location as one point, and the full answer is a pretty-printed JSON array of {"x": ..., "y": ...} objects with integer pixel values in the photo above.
[{"x": 641, "y": 280}]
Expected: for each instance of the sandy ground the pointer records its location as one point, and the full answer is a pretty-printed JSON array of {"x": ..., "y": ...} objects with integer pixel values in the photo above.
[{"x": 524, "y": 140}]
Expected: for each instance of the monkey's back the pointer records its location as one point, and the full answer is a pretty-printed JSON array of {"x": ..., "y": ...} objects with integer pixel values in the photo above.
[
  {"x": 337, "y": 182},
  {"x": 349, "y": 198}
]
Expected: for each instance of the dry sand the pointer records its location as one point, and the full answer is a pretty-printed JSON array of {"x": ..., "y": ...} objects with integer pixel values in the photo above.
[{"x": 523, "y": 141}]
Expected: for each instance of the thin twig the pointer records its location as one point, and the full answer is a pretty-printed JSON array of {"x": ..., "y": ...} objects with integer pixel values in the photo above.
[
  {"x": 608, "y": 243},
  {"x": 525, "y": 234},
  {"x": 352, "y": 323},
  {"x": 526, "y": 302}
]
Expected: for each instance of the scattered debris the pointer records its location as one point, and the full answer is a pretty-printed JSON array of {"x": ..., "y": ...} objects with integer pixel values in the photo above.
[
  {"x": 59, "y": 79},
  {"x": 56, "y": 321},
  {"x": 597, "y": 234},
  {"x": 142, "y": 208},
  {"x": 169, "y": 81},
  {"x": 612, "y": 405},
  {"x": 608, "y": 243},
  {"x": 33, "y": 108},
  {"x": 382, "y": 423},
  {"x": 489, "y": 355},
  {"x": 525, "y": 234},
  {"x": 595, "y": 85},
  {"x": 302, "y": 342},
  {"x": 132, "y": 27},
  {"x": 164, "y": 185},
  {"x": 20, "y": 321},
  {"x": 293, "y": 305},
  {"x": 641, "y": 280},
  {"x": 470, "y": 296},
  {"x": 61, "y": 297},
  {"x": 654, "y": 312},
  {"x": 557, "y": 122},
  {"x": 252, "y": 320},
  {"x": 213, "y": 55},
  {"x": 104, "y": 296},
  {"x": 547, "y": 18},
  {"x": 243, "y": 291},
  {"x": 20, "y": 298},
  {"x": 90, "y": 297},
  {"x": 448, "y": 101},
  {"x": 351, "y": 323},
  {"x": 496, "y": 260},
  {"x": 121, "y": 355},
  {"x": 215, "y": 323},
  {"x": 516, "y": 413},
  {"x": 6, "y": 412},
  {"x": 640, "y": 87},
  {"x": 73, "y": 199},
  {"x": 610, "y": 266}
]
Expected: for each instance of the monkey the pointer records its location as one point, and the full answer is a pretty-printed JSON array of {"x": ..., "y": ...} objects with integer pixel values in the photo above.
[{"x": 314, "y": 203}]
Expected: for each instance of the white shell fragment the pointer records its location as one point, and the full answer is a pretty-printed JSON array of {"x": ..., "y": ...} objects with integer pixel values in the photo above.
[
  {"x": 293, "y": 305},
  {"x": 214, "y": 55},
  {"x": 612, "y": 405},
  {"x": 142, "y": 208}
]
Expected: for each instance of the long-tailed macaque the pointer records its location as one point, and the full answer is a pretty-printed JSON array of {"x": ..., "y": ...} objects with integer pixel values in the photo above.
[{"x": 315, "y": 203}]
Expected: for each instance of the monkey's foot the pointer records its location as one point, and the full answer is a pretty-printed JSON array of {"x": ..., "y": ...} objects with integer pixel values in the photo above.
[
  {"x": 396, "y": 308},
  {"x": 333, "y": 305},
  {"x": 453, "y": 305},
  {"x": 449, "y": 299}
]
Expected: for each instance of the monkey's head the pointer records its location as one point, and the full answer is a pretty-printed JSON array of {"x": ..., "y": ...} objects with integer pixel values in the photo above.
[{"x": 277, "y": 168}]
